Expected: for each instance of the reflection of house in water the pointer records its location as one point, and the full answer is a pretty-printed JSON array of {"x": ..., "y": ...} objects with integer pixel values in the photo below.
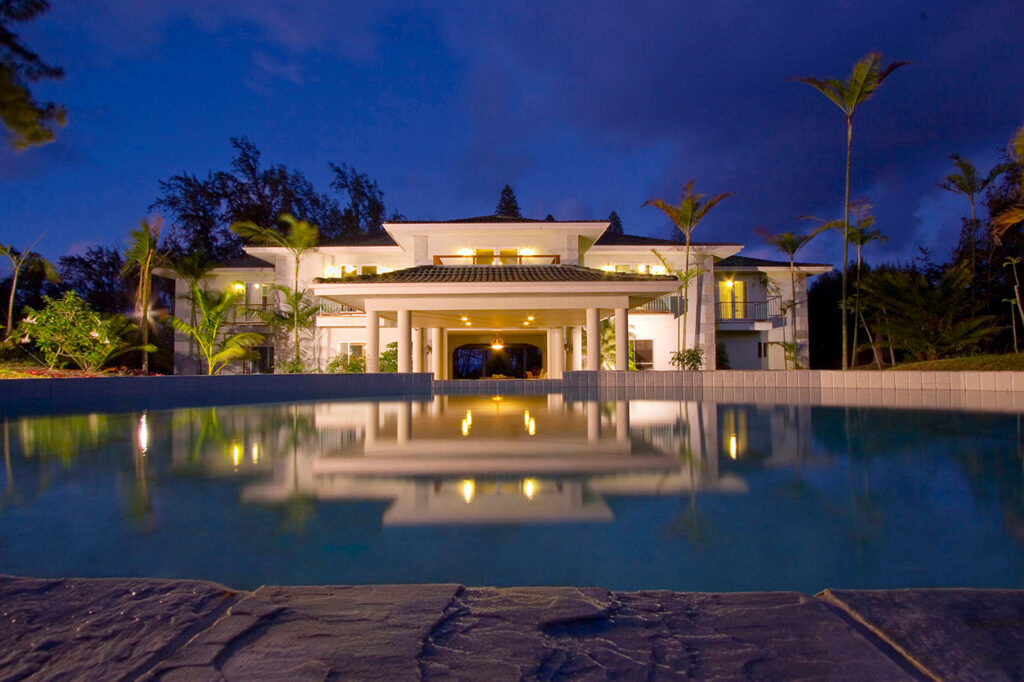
[{"x": 489, "y": 459}]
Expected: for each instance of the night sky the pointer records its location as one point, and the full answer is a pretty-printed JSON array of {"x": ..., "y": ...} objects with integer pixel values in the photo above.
[{"x": 583, "y": 107}]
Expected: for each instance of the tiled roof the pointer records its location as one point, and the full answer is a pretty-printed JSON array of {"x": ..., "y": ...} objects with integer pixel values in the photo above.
[
  {"x": 494, "y": 273},
  {"x": 744, "y": 262},
  {"x": 245, "y": 261},
  {"x": 490, "y": 219},
  {"x": 381, "y": 238}
]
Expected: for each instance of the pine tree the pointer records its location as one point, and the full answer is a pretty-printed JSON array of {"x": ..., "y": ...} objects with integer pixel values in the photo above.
[
  {"x": 614, "y": 223},
  {"x": 507, "y": 204}
]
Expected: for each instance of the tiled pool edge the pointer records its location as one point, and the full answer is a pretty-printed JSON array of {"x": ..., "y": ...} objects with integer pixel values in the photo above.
[
  {"x": 111, "y": 394},
  {"x": 150, "y": 629}
]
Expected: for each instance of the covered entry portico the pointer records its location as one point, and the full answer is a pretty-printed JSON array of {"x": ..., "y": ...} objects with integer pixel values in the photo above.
[{"x": 436, "y": 308}]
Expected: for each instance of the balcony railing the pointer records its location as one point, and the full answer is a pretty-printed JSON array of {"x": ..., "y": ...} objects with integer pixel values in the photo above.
[
  {"x": 750, "y": 310},
  {"x": 248, "y": 313},
  {"x": 483, "y": 259},
  {"x": 328, "y": 307},
  {"x": 669, "y": 303}
]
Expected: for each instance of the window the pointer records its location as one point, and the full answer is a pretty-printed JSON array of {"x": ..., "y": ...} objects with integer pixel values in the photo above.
[
  {"x": 762, "y": 349},
  {"x": 643, "y": 353},
  {"x": 509, "y": 256},
  {"x": 732, "y": 299},
  {"x": 368, "y": 270},
  {"x": 484, "y": 257}
]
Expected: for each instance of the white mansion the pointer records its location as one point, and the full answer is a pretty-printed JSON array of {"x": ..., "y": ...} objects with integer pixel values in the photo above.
[{"x": 512, "y": 297}]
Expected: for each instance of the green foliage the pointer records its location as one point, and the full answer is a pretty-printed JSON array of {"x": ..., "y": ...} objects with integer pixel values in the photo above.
[
  {"x": 28, "y": 260},
  {"x": 211, "y": 313},
  {"x": 27, "y": 121},
  {"x": 507, "y": 204},
  {"x": 926, "y": 319},
  {"x": 691, "y": 359},
  {"x": 141, "y": 257},
  {"x": 389, "y": 358},
  {"x": 346, "y": 364},
  {"x": 295, "y": 317},
  {"x": 67, "y": 329}
]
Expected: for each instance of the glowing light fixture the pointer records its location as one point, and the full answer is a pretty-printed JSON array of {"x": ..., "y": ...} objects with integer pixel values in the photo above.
[
  {"x": 350, "y": 269},
  {"x": 529, "y": 488},
  {"x": 467, "y": 252},
  {"x": 732, "y": 446},
  {"x": 527, "y": 252},
  {"x": 468, "y": 490},
  {"x": 729, "y": 283},
  {"x": 642, "y": 269},
  {"x": 463, "y": 318},
  {"x": 239, "y": 288},
  {"x": 332, "y": 271},
  {"x": 143, "y": 433},
  {"x": 497, "y": 343},
  {"x": 530, "y": 318},
  {"x": 608, "y": 268},
  {"x": 659, "y": 270}
]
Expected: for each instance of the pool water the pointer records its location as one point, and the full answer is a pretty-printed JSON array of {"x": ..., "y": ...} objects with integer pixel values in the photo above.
[{"x": 520, "y": 490}]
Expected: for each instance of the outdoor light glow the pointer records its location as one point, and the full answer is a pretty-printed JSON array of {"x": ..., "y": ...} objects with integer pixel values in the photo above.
[
  {"x": 529, "y": 487},
  {"x": 236, "y": 454},
  {"x": 332, "y": 271},
  {"x": 659, "y": 270},
  {"x": 497, "y": 343},
  {"x": 530, "y": 318},
  {"x": 531, "y": 428},
  {"x": 728, "y": 283},
  {"x": 467, "y": 491},
  {"x": 255, "y": 453},
  {"x": 143, "y": 433},
  {"x": 608, "y": 268},
  {"x": 642, "y": 269},
  {"x": 239, "y": 287},
  {"x": 466, "y": 252},
  {"x": 732, "y": 446},
  {"x": 526, "y": 419},
  {"x": 463, "y": 318},
  {"x": 350, "y": 269},
  {"x": 527, "y": 252},
  {"x": 383, "y": 269}
]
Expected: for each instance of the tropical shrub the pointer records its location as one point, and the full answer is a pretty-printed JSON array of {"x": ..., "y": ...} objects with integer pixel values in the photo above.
[
  {"x": 343, "y": 363},
  {"x": 691, "y": 359},
  {"x": 68, "y": 330},
  {"x": 211, "y": 314},
  {"x": 389, "y": 358}
]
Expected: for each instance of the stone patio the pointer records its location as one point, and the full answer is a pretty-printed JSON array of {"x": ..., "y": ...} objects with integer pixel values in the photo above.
[{"x": 127, "y": 629}]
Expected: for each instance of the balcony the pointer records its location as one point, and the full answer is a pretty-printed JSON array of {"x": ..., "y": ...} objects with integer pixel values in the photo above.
[
  {"x": 749, "y": 311},
  {"x": 498, "y": 259},
  {"x": 328, "y": 307}
]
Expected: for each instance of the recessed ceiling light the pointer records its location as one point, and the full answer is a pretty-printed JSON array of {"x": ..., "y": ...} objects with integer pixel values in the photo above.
[
  {"x": 468, "y": 324},
  {"x": 530, "y": 318},
  {"x": 464, "y": 318}
]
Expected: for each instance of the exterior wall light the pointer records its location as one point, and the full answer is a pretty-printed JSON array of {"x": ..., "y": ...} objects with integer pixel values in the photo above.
[
  {"x": 467, "y": 252},
  {"x": 527, "y": 252},
  {"x": 497, "y": 343}
]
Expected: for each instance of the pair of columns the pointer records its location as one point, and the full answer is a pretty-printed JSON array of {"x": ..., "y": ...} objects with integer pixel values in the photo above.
[{"x": 410, "y": 346}]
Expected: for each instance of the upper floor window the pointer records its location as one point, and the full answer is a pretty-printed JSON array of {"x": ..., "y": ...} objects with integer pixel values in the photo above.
[{"x": 732, "y": 299}]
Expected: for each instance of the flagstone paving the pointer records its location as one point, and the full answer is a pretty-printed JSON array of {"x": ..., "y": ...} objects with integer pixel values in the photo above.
[{"x": 129, "y": 629}]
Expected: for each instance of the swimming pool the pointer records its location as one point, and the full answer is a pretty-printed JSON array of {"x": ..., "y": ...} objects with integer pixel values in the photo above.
[{"x": 520, "y": 490}]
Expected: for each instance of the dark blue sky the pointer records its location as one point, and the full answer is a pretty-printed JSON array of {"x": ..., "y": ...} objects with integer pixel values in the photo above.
[{"x": 583, "y": 107}]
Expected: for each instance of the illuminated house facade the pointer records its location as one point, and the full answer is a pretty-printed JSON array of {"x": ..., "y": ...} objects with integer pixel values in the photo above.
[{"x": 511, "y": 297}]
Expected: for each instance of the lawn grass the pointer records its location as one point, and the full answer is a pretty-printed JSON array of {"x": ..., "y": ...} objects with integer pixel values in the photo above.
[{"x": 1010, "y": 362}]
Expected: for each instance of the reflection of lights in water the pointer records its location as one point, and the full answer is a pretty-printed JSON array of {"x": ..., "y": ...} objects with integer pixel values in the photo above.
[
  {"x": 143, "y": 433},
  {"x": 467, "y": 491},
  {"x": 732, "y": 446},
  {"x": 531, "y": 428},
  {"x": 465, "y": 427},
  {"x": 529, "y": 488},
  {"x": 469, "y": 417},
  {"x": 236, "y": 454},
  {"x": 255, "y": 452}
]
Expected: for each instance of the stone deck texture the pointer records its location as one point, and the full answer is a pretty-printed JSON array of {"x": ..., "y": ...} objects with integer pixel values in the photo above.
[{"x": 128, "y": 629}]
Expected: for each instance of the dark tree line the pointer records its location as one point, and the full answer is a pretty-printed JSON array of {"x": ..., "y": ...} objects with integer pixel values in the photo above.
[{"x": 201, "y": 210}]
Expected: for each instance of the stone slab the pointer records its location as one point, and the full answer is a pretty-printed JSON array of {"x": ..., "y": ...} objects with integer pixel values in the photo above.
[
  {"x": 949, "y": 634},
  {"x": 315, "y": 633},
  {"x": 99, "y": 629},
  {"x": 594, "y": 634}
]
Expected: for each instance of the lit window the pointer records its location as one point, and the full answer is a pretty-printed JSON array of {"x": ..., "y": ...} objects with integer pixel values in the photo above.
[
  {"x": 383, "y": 270},
  {"x": 642, "y": 269},
  {"x": 368, "y": 270}
]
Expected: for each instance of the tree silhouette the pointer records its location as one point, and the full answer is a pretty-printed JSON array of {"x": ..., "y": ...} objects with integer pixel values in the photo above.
[
  {"x": 27, "y": 121},
  {"x": 507, "y": 204}
]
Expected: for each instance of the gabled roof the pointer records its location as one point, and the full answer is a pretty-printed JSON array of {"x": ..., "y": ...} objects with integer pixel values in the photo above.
[
  {"x": 244, "y": 261},
  {"x": 494, "y": 273},
  {"x": 381, "y": 238},
  {"x": 745, "y": 262}
]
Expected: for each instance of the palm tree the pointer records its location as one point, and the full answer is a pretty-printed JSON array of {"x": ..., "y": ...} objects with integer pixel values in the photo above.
[
  {"x": 300, "y": 315},
  {"x": 789, "y": 243},
  {"x": 213, "y": 309},
  {"x": 967, "y": 183},
  {"x": 867, "y": 76},
  {"x": 142, "y": 256},
  {"x": 19, "y": 260},
  {"x": 861, "y": 234},
  {"x": 191, "y": 268},
  {"x": 300, "y": 237},
  {"x": 1015, "y": 214},
  {"x": 686, "y": 216}
]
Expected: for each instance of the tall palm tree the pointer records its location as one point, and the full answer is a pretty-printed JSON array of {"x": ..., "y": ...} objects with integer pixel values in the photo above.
[
  {"x": 301, "y": 236},
  {"x": 967, "y": 183},
  {"x": 867, "y": 76},
  {"x": 861, "y": 234},
  {"x": 192, "y": 268},
  {"x": 789, "y": 243},
  {"x": 1015, "y": 214},
  {"x": 142, "y": 256},
  {"x": 21, "y": 260},
  {"x": 687, "y": 215}
]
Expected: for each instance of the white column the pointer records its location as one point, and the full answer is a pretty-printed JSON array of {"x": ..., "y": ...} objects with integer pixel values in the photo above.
[
  {"x": 436, "y": 352},
  {"x": 404, "y": 341},
  {"x": 557, "y": 352},
  {"x": 593, "y": 340},
  {"x": 417, "y": 350},
  {"x": 372, "y": 341},
  {"x": 621, "y": 340},
  {"x": 577, "y": 348}
]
